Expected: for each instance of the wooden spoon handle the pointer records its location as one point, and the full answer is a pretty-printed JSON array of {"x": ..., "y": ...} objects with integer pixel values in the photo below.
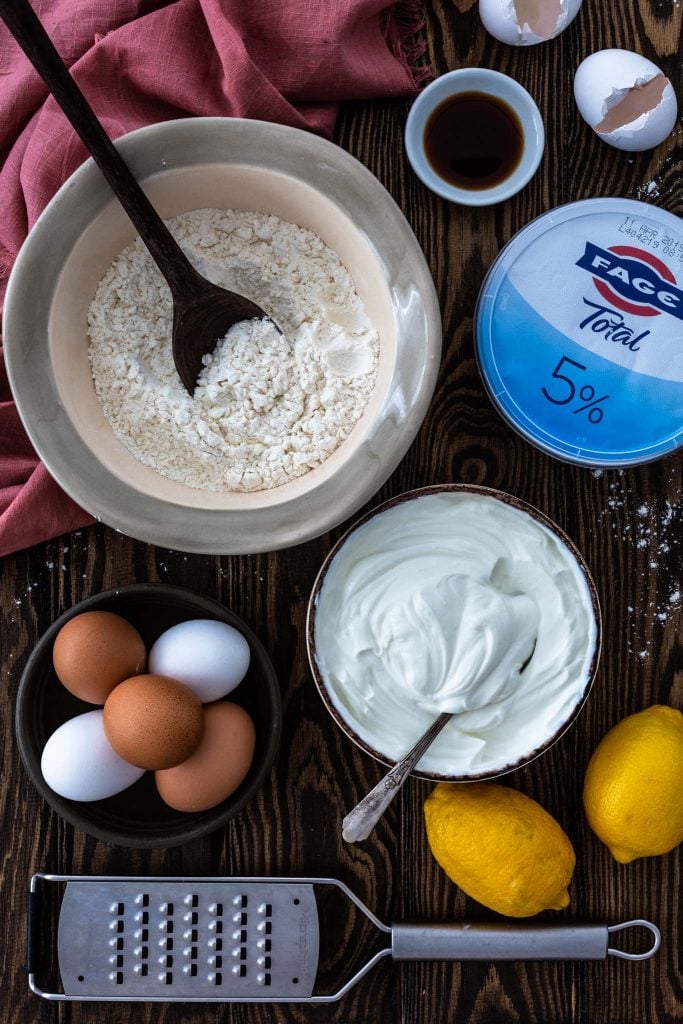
[{"x": 25, "y": 26}]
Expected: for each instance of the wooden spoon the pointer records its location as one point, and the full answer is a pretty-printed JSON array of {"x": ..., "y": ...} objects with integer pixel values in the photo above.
[{"x": 203, "y": 313}]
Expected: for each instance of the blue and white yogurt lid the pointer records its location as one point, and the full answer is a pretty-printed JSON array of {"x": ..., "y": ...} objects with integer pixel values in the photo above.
[{"x": 579, "y": 332}]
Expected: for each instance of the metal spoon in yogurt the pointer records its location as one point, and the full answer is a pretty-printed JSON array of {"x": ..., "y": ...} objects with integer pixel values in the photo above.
[{"x": 359, "y": 823}]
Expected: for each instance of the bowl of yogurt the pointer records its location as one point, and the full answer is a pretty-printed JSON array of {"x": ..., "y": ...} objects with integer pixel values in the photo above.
[{"x": 461, "y": 599}]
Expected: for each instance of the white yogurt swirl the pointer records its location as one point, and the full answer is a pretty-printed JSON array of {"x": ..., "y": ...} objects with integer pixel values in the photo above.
[{"x": 455, "y": 602}]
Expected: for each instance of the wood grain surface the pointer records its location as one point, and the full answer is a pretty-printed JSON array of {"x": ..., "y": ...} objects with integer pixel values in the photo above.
[{"x": 626, "y": 523}]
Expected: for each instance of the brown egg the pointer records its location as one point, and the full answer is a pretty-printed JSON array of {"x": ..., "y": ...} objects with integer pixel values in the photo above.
[
  {"x": 153, "y": 721},
  {"x": 94, "y": 652},
  {"x": 219, "y": 764}
]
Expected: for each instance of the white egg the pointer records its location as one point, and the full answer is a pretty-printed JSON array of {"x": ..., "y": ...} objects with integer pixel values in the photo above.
[
  {"x": 527, "y": 22},
  {"x": 210, "y": 657},
  {"x": 79, "y": 763},
  {"x": 626, "y": 99}
]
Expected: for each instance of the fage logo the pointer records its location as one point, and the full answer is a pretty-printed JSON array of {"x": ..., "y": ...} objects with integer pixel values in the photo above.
[{"x": 633, "y": 280}]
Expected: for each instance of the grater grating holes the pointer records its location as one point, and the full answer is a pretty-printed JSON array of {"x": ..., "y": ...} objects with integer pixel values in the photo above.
[
  {"x": 191, "y": 935},
  {"x": 227, "y": 953},
  {"x": 264, "y": 927},
  {"x": 215, "y": 943},
  {"x": 166, "y": 925},
  {"x": 116, "y": 925}
]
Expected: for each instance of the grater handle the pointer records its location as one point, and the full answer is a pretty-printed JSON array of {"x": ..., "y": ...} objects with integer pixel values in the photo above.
[{"x": 486, "y": 941}]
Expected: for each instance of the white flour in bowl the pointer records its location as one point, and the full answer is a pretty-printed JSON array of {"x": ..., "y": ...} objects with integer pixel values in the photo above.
[{"x": 268, "y": 407}]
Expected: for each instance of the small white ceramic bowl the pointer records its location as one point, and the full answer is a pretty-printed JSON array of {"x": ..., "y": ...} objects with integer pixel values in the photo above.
[{"x": 492, "y": 83}]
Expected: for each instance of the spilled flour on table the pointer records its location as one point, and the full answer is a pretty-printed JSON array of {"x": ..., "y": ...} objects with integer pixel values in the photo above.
[
  {"x": 268, "y": 406},
  {"x": 651, "y": 527}
]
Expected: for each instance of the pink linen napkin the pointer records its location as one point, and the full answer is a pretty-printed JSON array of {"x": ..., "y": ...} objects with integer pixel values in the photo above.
[{"x": 143, "y": 61}]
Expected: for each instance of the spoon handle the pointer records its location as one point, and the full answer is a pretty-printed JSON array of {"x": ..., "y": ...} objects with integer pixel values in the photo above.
[
  {"x": 25, "y": 26},
  {"x": 359, "y": 823}
]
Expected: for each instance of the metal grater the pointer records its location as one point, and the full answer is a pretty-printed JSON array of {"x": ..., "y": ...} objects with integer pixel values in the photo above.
[{"x": 246, "y": 939}]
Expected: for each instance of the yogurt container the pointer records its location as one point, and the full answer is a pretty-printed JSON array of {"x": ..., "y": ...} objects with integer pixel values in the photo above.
[
  {"x": 579, "y": 332},
  {"x": 457, "y": 599}
]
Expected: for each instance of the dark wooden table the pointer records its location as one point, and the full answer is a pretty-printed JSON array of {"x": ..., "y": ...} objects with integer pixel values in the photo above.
[{"x": 620, "y": 520}]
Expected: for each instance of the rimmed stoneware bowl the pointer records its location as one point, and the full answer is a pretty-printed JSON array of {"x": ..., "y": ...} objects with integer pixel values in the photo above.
[
  {"x": 220, "y": 163},
  {"x": 336, "y": 709},
  {"x": 138, "y": 817}
]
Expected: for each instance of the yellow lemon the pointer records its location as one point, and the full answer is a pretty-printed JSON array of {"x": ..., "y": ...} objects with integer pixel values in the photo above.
[
  {"x": 500, "y": 847},
  {"x": 633, "y": 790}
]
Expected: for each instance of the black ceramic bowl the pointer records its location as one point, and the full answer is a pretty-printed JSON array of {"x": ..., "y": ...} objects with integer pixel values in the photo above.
[{"x": 138, "y": 817}]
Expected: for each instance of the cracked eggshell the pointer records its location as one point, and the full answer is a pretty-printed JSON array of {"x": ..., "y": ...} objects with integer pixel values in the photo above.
[
  {"x": 604, "y": 78},
  {"x": 527, "y": 22}
]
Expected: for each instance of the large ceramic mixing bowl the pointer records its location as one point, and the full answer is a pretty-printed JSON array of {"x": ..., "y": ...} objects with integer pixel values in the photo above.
[{"x": 221, "y": 163}]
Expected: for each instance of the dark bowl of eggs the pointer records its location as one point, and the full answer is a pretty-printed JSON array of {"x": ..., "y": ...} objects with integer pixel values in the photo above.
[{"x": 148, "y": 716}]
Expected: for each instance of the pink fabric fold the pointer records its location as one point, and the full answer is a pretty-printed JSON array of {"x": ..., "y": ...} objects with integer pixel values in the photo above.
[{"x": 143, "y": 61}]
